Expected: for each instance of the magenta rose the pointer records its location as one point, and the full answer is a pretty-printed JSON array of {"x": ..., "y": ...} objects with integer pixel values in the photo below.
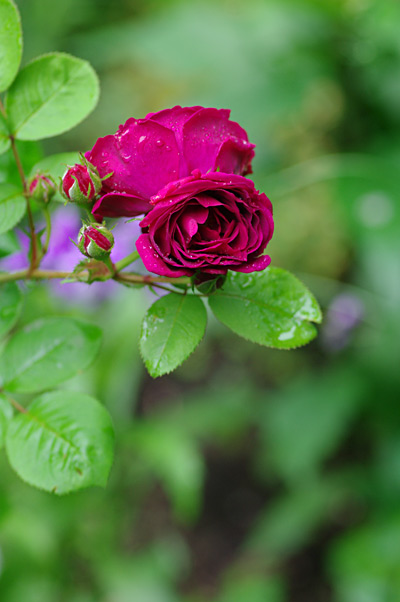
[
  {"x": 146, "y": 154},
  {"x": 81, "y": 183},
  {"x": 207, "y": 223}
]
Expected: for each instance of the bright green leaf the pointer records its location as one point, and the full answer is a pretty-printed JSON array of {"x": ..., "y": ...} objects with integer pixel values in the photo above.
[
  {"x": 271, "y": 308},
  {"x": 12, "y": 206},
  {"x": 172, "y": 328},
  {"x": 51, "y": 95},
  {"x": 48, "y": 352},
  {"x": 10, "y": 43},
  {"x": 63, "y": 442},
  {"x": 10, "y": 306},
  {"x": 6, "y": 413},
  {"x": 4, "y": 137}
]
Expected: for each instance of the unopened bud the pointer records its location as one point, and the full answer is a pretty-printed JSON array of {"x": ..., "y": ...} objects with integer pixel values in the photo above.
[
  {"x": 95, "y": 241},
  {"x": 42, "y": 188},
  {"x": 81, "y": 183}
]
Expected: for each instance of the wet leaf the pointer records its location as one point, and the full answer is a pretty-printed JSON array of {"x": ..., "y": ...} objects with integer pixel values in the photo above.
[
  {"x": 271, "y": 308},
  {"x": 172, "y": 328}
]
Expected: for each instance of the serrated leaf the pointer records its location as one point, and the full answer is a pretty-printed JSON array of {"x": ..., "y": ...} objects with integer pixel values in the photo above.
[
  {"x": 51, "y": 95},
  {"x": 272, "y": 308},
  {"x": 10, "y": 43},
  {"x": 63, "y": 442},
  {"x": 5, "y": 142},
  {"x": 172, "y": 328},
  {"x": 47, "y": 353},
  {"x": 12, "y": 206},
  {"x": 6, "y": 413},
  {"x": 10, "y": 306}
]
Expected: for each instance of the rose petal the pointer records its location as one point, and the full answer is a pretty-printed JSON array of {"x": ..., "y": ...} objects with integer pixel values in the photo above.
[
  {"x": 235, "y": 156},
  {"x": 118, "y": 204},
  {"x": 203, "y": 135},
  {"x": 142, "y": 156},
  {"x": 255, "y": 265},
  {"x": 153, "y": 262}
]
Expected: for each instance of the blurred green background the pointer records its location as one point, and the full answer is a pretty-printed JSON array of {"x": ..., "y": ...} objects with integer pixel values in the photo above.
[{"x": 248, "y": 475}]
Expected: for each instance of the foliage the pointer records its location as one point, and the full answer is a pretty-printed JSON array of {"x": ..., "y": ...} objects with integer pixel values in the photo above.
[{"x": 247, "y": 473}]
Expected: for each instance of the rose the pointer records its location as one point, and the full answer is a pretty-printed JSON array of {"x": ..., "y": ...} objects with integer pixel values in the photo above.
[
  {"x": 42, "y": 188},
  {"x": 95, "y": 241},
  {"x": 81, "y": 183},
  {"x": 146, "y": 154},
  {"x": 206, "y": 223}
]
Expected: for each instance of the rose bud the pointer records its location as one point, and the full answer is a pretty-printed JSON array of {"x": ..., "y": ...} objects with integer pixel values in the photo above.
[
  {"x": 81, "y": 183},
  {"x": 42, "y": 188},
  {"x": 95, "y": 241},
  {"x": 208, "y": 223},
  {"x": 146, "y": 154}
]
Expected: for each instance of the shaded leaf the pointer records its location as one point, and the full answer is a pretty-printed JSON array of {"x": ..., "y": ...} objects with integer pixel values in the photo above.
[
  {"x": 10, "y": 306},
  {"x": 63, "y": 442},
  {"x": 12, "y": 206},
  {"x": 6, "y": 413},
  {"x": 48, "y": 352}
]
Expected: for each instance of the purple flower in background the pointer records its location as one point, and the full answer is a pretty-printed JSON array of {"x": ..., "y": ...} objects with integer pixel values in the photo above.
[
  {"x": 63, "y": 255},
  {"x": 146, "y": 154},
  {"x": 343, "y": 315}
]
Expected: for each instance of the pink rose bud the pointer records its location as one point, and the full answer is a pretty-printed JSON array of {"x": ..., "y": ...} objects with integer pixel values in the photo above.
[
  {"x": 95, "y": 241},
  {"x": 42, "y": 188},
  {"x": 81, "y": 183}
]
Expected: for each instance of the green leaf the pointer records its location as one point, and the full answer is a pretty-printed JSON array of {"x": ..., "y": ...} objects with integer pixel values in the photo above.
[
  {"x": 63, "y": 442},
  {"x": 9, "y": 244},
  {"x": 10, "y": 306},
  {"x": 46, "y": 353},
  {"x": 10, "y": 43},
  {"x": 271, "y": 308},
  {"x": 4, "y": 136},
  {"x": 172, "y": 328},
  {"x": 6, "y": 413},
  {"x": 51, "y": 95},
  {"x": 12, "y": 206}
]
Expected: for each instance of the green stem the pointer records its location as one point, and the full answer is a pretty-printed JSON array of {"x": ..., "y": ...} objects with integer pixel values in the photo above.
[
  {"x": 34, "y": 257},
  {"x": 122, "y": 263},
  {"x": 53, "y": 274},
  {"x": 48, "y": 230}
]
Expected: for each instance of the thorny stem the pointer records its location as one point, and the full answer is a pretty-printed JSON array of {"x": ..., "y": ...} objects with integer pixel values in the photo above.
[{"x": 34, "y": 256}]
